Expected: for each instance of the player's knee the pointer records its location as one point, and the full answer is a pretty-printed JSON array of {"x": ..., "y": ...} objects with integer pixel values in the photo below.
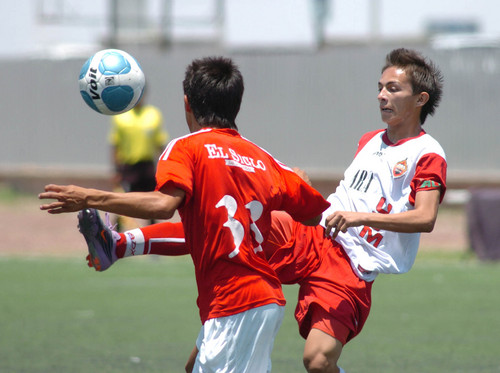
[{"x": 318, "y": 363}]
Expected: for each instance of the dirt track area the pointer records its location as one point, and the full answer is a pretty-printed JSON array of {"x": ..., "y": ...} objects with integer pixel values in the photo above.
[{"x": 27, "y": 231}]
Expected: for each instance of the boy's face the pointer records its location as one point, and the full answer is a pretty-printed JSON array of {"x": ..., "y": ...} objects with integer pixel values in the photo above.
[{"x": 397, "y": 102}]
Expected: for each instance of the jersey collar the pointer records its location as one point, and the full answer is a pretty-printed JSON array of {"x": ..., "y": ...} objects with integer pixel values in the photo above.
[{"x": 387, "y": 141}]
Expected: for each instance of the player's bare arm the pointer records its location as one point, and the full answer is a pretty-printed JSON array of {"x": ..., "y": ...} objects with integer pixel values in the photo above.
[
  {"x": 143, "y": 205},
  {"x": 420, "y": 219}
]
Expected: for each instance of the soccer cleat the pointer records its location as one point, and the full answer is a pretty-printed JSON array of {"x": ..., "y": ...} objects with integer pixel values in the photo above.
[{"x": 101, "y": 239}]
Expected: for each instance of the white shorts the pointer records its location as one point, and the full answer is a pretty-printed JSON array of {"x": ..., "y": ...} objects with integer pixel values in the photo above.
[{"x": 239, "y": 343}]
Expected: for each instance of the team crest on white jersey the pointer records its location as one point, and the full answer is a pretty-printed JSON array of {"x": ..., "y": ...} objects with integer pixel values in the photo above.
[{"x": 400, "y": 169}]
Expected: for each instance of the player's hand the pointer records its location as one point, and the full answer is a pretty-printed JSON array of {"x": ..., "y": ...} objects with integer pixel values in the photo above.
[
  {"x": 302, "y": 175},
  {"x": 70, "y": 198},
  {"x": 339, "y": 221}
]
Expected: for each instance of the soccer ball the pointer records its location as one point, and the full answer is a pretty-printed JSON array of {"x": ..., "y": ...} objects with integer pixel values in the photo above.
[{"x": 111, "y": 82}]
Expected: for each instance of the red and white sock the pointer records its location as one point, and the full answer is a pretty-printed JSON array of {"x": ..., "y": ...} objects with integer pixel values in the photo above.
[{"x": 160, "y": 239}]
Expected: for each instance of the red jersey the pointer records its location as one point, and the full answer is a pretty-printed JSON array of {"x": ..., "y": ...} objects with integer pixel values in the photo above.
[{"x": 231, "y": 187}]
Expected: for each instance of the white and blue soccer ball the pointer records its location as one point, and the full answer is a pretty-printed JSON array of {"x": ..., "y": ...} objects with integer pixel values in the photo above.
[{"x": 111, "y": 82}]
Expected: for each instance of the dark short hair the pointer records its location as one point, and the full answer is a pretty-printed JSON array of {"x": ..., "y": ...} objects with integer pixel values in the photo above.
[
  {"x": 214, "y": 89},
  {"x": 424, "y": 76}
]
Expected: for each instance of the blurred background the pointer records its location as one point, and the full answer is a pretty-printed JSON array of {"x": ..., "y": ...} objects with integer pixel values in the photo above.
[{"x": 310, "y": 66}]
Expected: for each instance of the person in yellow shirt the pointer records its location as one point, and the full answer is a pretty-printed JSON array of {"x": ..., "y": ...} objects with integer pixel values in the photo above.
[{"x": 137, "y": 138}]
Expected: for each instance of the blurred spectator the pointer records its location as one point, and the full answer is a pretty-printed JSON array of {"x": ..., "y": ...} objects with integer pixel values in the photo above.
[{"x": 137, "y": 138}]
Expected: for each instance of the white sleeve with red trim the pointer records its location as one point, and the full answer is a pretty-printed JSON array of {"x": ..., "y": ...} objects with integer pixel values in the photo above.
[{"x": 384, "y": 178}]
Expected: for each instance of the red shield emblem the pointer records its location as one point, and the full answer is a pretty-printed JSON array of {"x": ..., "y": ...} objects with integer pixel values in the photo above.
[{"x": 400, "y": 169}]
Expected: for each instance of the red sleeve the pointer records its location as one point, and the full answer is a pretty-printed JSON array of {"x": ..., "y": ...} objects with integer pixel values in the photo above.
[
  {"x": 365, "y": 138},
  {"x": 430, "y": 174},
  {"x": 302, "y": 201},
  {"x": 175, "y": 167}
]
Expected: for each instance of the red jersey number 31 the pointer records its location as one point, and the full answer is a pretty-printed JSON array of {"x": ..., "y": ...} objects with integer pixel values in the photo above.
[{"x": 236, "y": 228}]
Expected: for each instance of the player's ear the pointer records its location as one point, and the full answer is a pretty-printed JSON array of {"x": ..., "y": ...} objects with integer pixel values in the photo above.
[
  {"x": 187, "y": 107},
  {"x": 422, "y": 99}
]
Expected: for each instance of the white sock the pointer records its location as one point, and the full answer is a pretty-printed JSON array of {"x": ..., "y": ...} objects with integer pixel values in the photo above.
[{"x": 135, "y": 242}]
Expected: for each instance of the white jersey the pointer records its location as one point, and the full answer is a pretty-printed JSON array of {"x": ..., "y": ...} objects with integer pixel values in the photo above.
[{"x": 384, "y": 178}]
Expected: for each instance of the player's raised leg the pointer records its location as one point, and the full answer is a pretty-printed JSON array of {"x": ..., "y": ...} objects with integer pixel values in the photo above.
[
  {"x": 159, "y": 239},
  {"x": 106, "y": 246}
]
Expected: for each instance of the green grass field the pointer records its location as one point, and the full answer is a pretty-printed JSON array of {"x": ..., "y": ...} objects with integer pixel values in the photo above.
[{"x": 57, "y": 315}]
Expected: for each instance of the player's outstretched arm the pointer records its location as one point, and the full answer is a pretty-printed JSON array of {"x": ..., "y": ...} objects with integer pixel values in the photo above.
[
  {"x": 420, "y": 219},
  {"x": 143, "y": 205}
]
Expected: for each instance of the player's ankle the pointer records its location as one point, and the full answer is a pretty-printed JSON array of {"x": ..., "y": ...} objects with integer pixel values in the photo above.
[{"x": 121, "y": 246}]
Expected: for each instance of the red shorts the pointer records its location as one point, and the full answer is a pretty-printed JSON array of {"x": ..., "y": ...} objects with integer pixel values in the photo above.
[
  {"x": 331, "y": 297},
  {"x": 322, "y": 320}
]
